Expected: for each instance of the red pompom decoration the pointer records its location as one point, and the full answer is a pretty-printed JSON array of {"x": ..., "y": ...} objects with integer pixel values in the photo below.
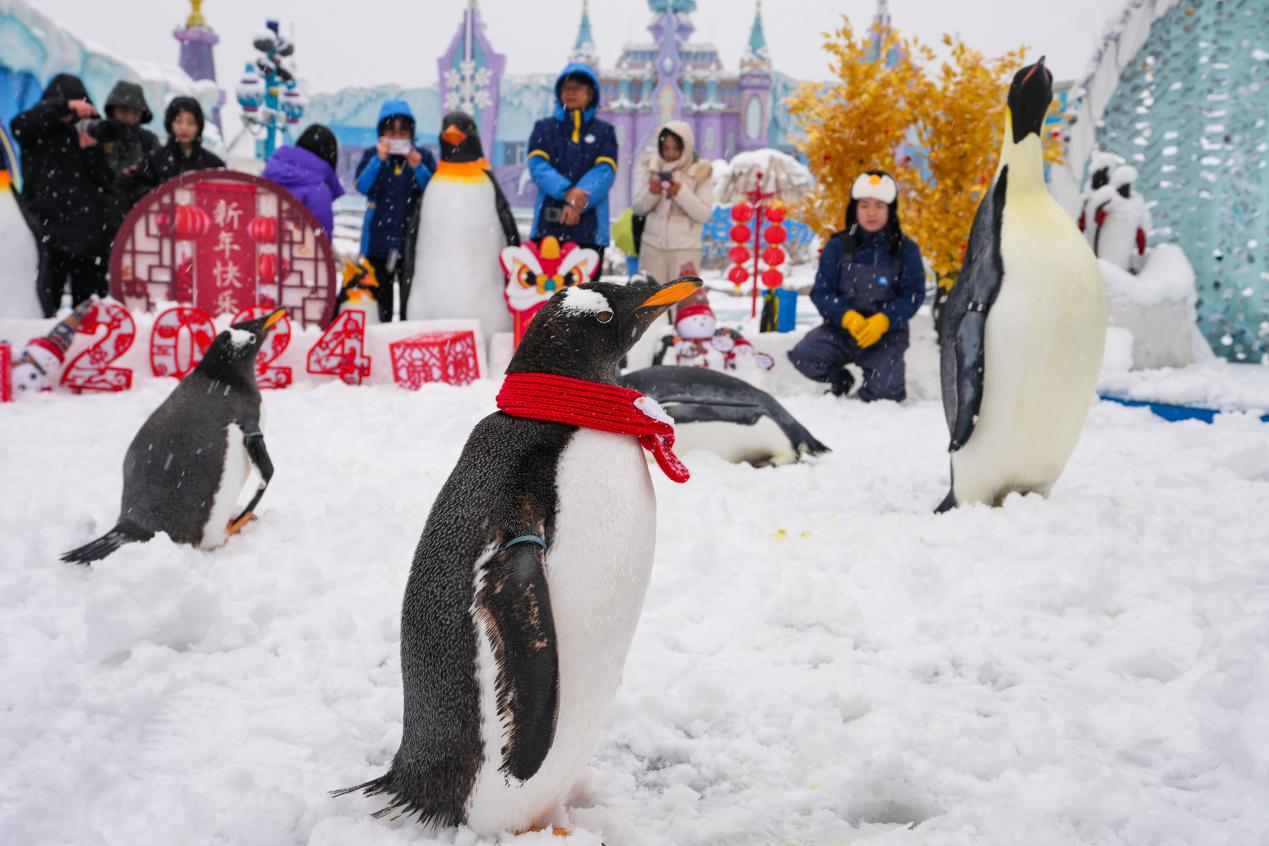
[
  {"x": 775, "y": 235},
  {"x": 264, "y": 230},
  {"x": 738, "y": 275},
  {"x": 773, "y": 256},
  {"x": 741, "y": 234},
  {"x": 775, "y": 214},
  {"x": 772, "y": 278},
  {"x": 739, "y": 254},
  {"x": 742, "y": 213}
]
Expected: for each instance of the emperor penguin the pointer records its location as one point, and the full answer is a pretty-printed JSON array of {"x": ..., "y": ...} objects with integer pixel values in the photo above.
[
  {"x": 1025, "y": 324},
  {"x": 191, "y": 458},
  {"x": 526, "y": 587},
  {"x": 463, "y": 223},
  {"x": 19, "y": 243}
]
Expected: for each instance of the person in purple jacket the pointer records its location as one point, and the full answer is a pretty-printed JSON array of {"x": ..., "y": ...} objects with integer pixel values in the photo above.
[{"x": 307, "y": 170}]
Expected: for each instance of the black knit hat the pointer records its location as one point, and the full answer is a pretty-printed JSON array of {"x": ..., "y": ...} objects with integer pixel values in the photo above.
[{"x": 321, "y": 142}]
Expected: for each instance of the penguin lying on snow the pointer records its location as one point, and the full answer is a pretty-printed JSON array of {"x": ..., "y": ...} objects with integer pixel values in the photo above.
[
  {"x": 725, "y": 415},
  {"x": 1024, "y": 327},
  {"x": 527, "y": 582},
  {"x": 189, "y": 461}
]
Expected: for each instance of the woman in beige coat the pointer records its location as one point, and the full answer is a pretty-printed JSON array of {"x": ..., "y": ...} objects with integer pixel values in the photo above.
[{"x": 675, "y": 193}]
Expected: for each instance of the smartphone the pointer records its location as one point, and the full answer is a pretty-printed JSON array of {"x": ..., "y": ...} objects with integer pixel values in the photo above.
[
  {"x": 399, "y": 147},
  {"x": 664, "y": 176}
]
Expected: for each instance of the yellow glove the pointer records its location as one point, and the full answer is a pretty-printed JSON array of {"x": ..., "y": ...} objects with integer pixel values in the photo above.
[
  {"x": 874, "y": 328},
  {"x": 852, "y": 322}
]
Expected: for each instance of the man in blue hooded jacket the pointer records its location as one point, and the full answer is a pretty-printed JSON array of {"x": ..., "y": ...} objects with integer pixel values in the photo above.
[
  {"x": 573, "y": 161},
  {"x": 392, "y": 175}
]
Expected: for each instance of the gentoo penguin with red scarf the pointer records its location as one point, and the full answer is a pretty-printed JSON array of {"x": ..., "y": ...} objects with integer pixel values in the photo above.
[{"x": 530, "y": 575}]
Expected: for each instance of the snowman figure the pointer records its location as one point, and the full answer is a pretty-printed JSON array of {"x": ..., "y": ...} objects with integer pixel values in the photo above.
[
  {"x": 41, "y": 361},
  {"x": 700, "y": 342}
]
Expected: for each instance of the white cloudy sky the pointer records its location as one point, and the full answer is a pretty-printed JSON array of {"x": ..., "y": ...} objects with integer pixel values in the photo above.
[{"x": 376, "y": 41}]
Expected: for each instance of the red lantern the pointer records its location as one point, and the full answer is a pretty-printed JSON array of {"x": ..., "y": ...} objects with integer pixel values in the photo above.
[
  {"x": 773, "y": 256},
  {"x": 775, "y": 214},
  {"x": 191, "y": 222},
  {"x": 772, "y": 278},
  {"x": 738, "y": 275},
  {"x": 263, "y": 229},
  {"x": 739, "y": 254},
  {"x": 741, "y": 234},
  {"x": 775, "y": 235},
  {"x": 268, "y": 266},
  {"x": 742, "y": 213}
]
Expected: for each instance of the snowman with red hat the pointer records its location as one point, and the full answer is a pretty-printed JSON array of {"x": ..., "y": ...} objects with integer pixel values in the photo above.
[{"x": 698, "y": 341}]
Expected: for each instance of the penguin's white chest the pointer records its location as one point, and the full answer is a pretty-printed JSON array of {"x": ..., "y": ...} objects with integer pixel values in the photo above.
[
  {"x": 21, "y": 262},
  {"x": 224, "y": 504},
  {"x": 456, "y": 270},
  {"x": 1043, "y": 351},
  {"x": 597, "y": 571},
  {"x": 762, "y": 443}
]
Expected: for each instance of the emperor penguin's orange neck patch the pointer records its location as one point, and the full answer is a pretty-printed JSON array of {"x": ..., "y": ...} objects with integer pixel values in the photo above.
[{"x": 463, "y": 171}]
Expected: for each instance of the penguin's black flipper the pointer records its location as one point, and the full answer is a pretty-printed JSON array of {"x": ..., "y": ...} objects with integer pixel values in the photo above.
[
  {"x": 259, "y": 456},
  {"x": 948, "y": 503},
  {"x": 515, "y": 604},
  {"x": 965, "y": 321},
  {"x": 508, "y": 220},
  {"x": 123, "y": 532}
]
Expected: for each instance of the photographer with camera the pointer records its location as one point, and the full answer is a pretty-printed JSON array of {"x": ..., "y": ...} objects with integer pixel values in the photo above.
[
  {"x": 66, "y": 185},
  {"x": 127, "y": 146},
  {"x": 676, "y": 194},
  {"x": 573, "y": 162},
  {"x": 392, "y": 174}
]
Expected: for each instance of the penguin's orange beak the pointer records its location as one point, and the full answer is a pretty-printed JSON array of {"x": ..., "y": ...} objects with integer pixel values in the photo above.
[
  {"x": 277, "y": 315},
  {"x": 672, "y": 293},
  {"x": 453, "y": 135}
]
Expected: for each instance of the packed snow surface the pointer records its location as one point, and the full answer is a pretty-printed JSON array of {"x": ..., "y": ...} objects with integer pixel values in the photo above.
[{"x": 820, "y": 659}]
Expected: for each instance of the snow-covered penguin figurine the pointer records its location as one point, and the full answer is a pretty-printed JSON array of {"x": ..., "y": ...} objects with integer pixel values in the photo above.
[
  {"x": 1024, "y": 326},
  {"x": 536, "y": 271},
  {"x": 359, "y": 291},
  {"x": 528, "y": 581},
  {"x": 20, "y": 253},
  {"x": 1097, "y": 192},
  {"x": 462, "y": 224},
  {"x": 192, "y": 457},
  {"x": 1121, "y": 222},
  {"x": 698, "y": 341}
]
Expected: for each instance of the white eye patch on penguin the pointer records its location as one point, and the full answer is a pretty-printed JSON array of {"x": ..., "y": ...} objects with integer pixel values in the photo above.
[{"x": 586, "y": 301}]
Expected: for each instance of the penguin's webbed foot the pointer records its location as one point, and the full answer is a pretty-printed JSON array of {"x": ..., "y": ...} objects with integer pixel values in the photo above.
[{"x": 235, "y": 526}]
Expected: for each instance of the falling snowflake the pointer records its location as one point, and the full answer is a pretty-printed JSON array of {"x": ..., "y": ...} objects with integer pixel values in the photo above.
[{"x": 467, "y": 88}]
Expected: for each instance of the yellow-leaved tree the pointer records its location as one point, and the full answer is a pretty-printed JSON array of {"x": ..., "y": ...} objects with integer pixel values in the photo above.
[{"x": 884, "y": 113}]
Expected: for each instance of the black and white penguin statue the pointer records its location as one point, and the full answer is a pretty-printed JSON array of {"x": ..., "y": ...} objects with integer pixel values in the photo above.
[
  {"x": 19, "y": 244},
  {"x": 462, "y": 225},
  {"x": 188, "y": 463},
  {"x": 1025, "y": 325},
  {"x": 529, "y": 578}
]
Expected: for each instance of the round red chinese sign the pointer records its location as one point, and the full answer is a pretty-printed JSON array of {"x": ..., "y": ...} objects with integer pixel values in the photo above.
[{"x": 224, "y": 241}]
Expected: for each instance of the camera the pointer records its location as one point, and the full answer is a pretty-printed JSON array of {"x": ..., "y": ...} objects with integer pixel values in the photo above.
[
  {"x": 399, "y": 147},
  {"x": 552, "y": 214},
  {"x": 98, "y": 128}
]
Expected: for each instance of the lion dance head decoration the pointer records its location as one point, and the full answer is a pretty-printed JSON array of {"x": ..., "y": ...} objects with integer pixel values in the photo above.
[{"x": 536, "y": 271}]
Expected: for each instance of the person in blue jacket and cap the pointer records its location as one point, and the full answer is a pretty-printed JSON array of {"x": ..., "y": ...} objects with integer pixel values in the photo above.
[
  {"x": 392, "y": 174},
  {"x": 573, "y": 161},
  {"x": 869, "y": 284}
]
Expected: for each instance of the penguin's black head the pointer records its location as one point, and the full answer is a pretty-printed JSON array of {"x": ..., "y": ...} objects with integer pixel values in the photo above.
[
  {"x": 232, "y": 354},
  {"x": 584, "y": 331},
  {"x": 1029, "y": 98},
  {"x": 460, "y": 139}
]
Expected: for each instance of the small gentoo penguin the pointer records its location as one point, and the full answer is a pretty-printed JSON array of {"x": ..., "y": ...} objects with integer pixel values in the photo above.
[
  {"x": 725, "y": 415},
  {"x": 188, "y": 463},
  {"x": 1024, "y": 327},
  {"x": 463, "y": 222},
  {"x": 527, "y": 582}
]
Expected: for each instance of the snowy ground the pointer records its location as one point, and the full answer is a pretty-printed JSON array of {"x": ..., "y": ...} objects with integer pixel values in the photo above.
[{"x": 820, "y": 660}]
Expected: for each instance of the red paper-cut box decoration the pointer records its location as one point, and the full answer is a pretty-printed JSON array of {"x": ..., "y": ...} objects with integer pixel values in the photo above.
[{"x": 435, "y": 357}]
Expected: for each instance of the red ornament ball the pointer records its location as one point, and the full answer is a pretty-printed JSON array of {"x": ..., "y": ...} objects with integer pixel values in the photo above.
[
  {"x": 741, "y": 233},
  {"x": 742, "y": 212},
  {"x": 773, "y": 256},
  {"x": 772, "y": 278},
  {"x": 775, "y": 214},
  {"x": 268, "y": 266},
  {"x": 738, "y": 275},
  {"x": 775, "y": 234},
  {"x": 739, "y": 254}
]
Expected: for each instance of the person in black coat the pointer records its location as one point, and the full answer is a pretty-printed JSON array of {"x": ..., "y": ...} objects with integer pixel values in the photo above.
[
  {"x": 66, "y": 184},
  {"x": 183, "y": 151},
  {"x": 127, "y": 146}
]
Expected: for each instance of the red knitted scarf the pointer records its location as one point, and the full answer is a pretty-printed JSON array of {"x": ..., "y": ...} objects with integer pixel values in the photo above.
[{"x": 608, "y": 408}]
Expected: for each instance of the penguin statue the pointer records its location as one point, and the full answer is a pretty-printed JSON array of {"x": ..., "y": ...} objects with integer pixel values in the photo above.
[
  {"x": 463, "y": 223},
  {"x": 1024, "y": 326},
  {"x": 189, "y": 461},
  {"x": 1122, "y": 221},
  {"x": 19, "y": 244},
  {"x": 358, "y": 291},
  {"x": 1098, "y": 191},
  {"x": 529, "y": 577},
  {"x": 724, "y": 415}
]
